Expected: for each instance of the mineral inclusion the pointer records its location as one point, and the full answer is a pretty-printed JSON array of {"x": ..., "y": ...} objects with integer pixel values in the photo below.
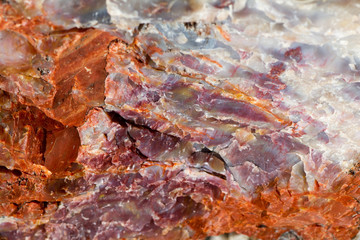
[{"x": 153, "y": 119}]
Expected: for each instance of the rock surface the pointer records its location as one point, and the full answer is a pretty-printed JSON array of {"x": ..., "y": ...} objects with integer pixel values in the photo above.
[{"x": 179, "y": 119}]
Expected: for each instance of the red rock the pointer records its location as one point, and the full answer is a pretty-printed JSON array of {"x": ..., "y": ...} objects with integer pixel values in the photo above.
[
  {"x": 176, "y": 130},
  {"x": 61, "y": 149}
]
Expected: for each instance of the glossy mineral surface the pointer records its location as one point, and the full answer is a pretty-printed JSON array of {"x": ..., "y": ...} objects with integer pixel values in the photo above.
[{"x": 179, "y": 119}]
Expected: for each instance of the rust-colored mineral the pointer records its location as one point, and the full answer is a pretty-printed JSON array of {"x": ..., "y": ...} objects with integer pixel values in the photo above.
[{"x": 153, "y": 119}]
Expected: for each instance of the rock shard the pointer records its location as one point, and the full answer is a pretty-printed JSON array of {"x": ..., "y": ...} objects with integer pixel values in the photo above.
[{"x": 179, "y": 119}]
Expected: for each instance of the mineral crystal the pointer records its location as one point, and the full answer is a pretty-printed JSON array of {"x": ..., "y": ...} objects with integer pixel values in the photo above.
[{"x": 179, "y": 119}]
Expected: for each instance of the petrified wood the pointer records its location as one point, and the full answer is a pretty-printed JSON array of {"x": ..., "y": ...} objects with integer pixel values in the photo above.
[{"x": 151, "y": 119}]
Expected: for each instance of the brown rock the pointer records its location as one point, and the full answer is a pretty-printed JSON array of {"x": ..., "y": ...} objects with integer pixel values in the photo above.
[{"x": 174, "y": 130}]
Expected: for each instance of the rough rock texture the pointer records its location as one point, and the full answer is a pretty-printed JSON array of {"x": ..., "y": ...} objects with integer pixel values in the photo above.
[{"x": 179, "y": 119}]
